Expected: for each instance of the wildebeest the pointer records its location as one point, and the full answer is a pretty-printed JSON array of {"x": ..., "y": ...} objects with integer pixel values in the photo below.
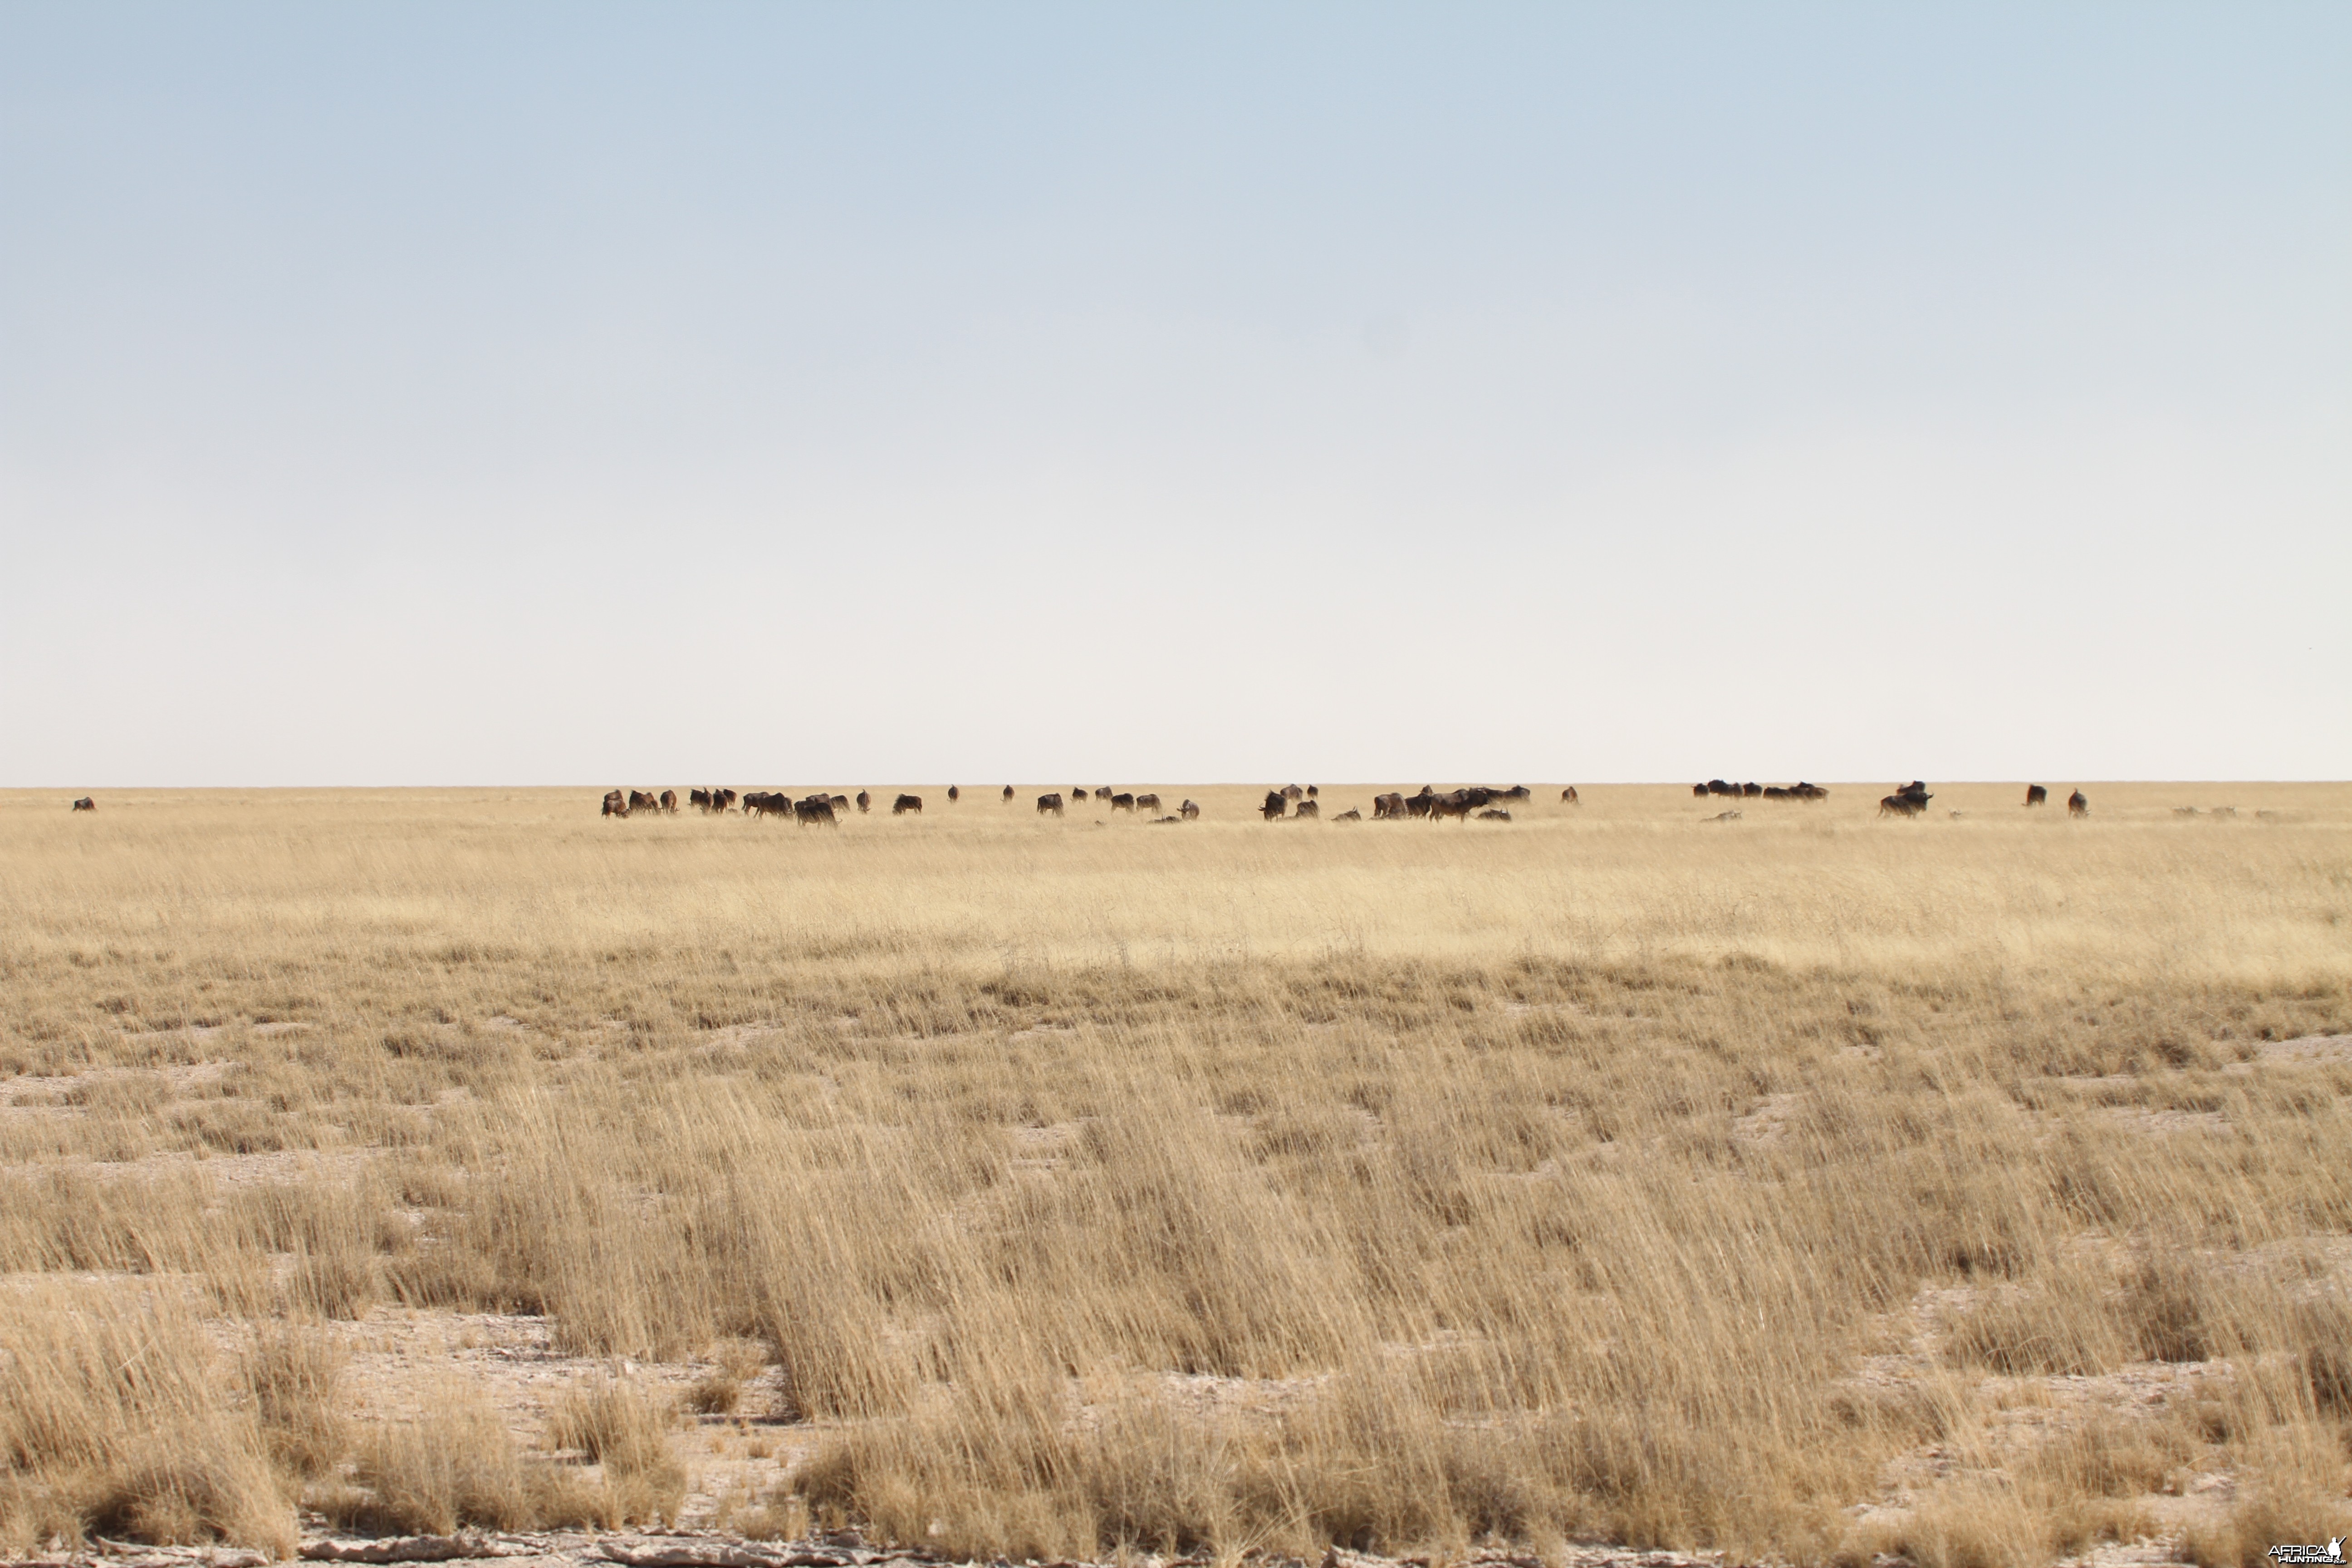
[
  {"x": 1699, "y": 790},
  {"x": 720, "y": 799},
  {"x": 1008, "y": 792},
  {"x": 1909, "y": 801},
  {"x": 1350, "y": 816},
  {"x": 699, "y": 799},
  {"x": 640, "y": 801},
  {"x": 762, "y": 803},
  {"x": 1051, "y": 803},
  {"x": 2078, "y": 805},
  {"x": 1494, "y": 813},
  {"x": 1751, "y": 789},
  {"x": 1309, "y": 809},
  {"x": 1147, "y": 803},
  {"x": 840, "y": 802},
  {"x": 1313, "y": 793},
  {"x": 907, "y": 802},
  {"x": 2036, "y": 796},
  {"x": 1717, "y": 786},
  {"x": 1422, "y": 805},
  {"x": 85, "y": 804},
  {"x": 1455, "y": 804},
  {"x": 1725, "y": 817},
  {"x": 865, "y": 803},
  {"x": 670, "y": 801},
  {"x": 1517, "y": 792},
  {"x": 954, "y": 794},
  {"x": 1385, "y": 807},
  {"x": 1188, "y": 811},
  {"x": 1568, "y": 797},
  {"x": 1078, "y": 793},
  {"x": 816, "y": 808},
  {"x": 616, "y": 804},
  {"x": 1122, "y": 802},
  {"x": 1166, "y": 822},
  {"x": 1275, "y": 807},
  {"x": 1292, "y": 792}
]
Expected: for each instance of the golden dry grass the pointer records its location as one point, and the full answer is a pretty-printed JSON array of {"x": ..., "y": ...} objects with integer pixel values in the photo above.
[{"x": 1808, "y": 1184}]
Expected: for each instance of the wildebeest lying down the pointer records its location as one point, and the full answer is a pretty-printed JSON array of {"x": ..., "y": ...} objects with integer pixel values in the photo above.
[
  {"x": 616, "y": 804},
  {"x": 1275, "y": 807},
  {"x": 85, "y": 804},
  {"x": 2036, "y": 796},
  {"x": 1051, "y": 803},
  {"x": 907, "y": 802},
  {"x": 1350, "y": 816},
  {"x": 816, "y": 808},
  {"x": 2078, "y": 805},
  {"x": 1494, "y": 813}
]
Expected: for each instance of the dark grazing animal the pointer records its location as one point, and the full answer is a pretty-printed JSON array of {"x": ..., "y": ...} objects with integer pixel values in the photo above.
[
  {"x": 954, "y": 794},
  {"x": 1717, "y": 786},
  {"x": 1188, "y": 811},
  {"x": 1908, "y": 801},
  {"x": 1292, "y": 792},
  {"x": 1751, "y": 789},
  {"x": 1517, "y": 792},
  {"x": 1349, "y": 816},
  {"x": 640, "y": 801},
  {"x": 1051, "y": 803},
  {"x": 670, "y": 801},
  {"x": 1455, "y": 804},
  {"x": 2036, "y": 796},
  {"x": 1078, "y": 793},
  {"x": 616, "y": 804},
  {"x": 1422, "y": 805},
  {"x": 1568, "y": 797},
  {"x": 1275, "y": 806},
  {"x": 720, "y": 799},
  {"x": 1309, "y": 810},
  {"x": 1809, "y": 792},
  {"x": 1122, "y": 802},
  {"x": 699, "y": 799},
  {"x": 907, "y": 802},
  {"x": 865, "y": 803},
  {"x": 816, "y": 808},
  {"x": 840, "y": 802},
  {"x": 1008, "y": 792},
  {"x": 1385, "y": 807},
  {"x": 2078, "y": 805},
  {"x": 1313, "y": 793},
  {"x": 85, "y": 804},
  {"x": 1699, "y": 790},
  {"x": 1147, "y": 803}
]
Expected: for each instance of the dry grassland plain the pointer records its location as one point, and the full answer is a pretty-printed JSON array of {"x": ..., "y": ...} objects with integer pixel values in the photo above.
[{"x": 1810, "y": 1186}]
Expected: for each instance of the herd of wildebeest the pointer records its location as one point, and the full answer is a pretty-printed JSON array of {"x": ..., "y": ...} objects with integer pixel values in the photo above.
[{"x": 1290, "y": 804}]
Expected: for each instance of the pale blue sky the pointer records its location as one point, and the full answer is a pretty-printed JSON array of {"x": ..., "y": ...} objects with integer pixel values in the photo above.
[{"x": 660, "y": 395}]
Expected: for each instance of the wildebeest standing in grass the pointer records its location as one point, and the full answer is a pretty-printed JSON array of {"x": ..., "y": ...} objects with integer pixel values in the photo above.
[
  {"x": 1385, "y": 807},
  {"x": 816, "y": 808},
  {"x": 2036, "y": 796},
  {"x": 85, "y": 804},
  {"x": 670, "y": 801},
  {"x": 1312, "y": 792},
  {"x": 1568, "y": 797},
  {"x": 1292, "y": 792},
  {"x": 1188, "y": 811},
  {"x": 1079, "y": 792},
  {"x": 616, "y": 804},
  {"x": 1699, "y": 790},
  {"x": 1909, "y": 801},
  {"x": 1310, "y": 810},
  {"x": 1123, "y": 801},
  {"x": 2078, "y": 805},
  {"x": 1147, "y": 803},
  {"x": 865, "y": 803},
  {"x": 1517, "y": 792},
  {"x": 1050, "y": 802},
  {"x": 1455, "y": 804},
  {"x": 1422, "y": 805},
  {"x": 954, "y": 794},
  {"x": 641, "y": 801},
  {"x": 1008, "y": 794},
  {"x": 699, "y": 799},
  {"x": 1275, "y": 806},
  {"x": 907, "y": 802}
]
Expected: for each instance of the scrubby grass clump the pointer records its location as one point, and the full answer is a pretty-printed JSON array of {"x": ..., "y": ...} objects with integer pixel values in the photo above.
[{"x": 1608, "y": 1174}]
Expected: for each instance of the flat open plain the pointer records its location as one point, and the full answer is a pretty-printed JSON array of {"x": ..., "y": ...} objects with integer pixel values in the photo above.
[{"x": 1810, "y": 1185}]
